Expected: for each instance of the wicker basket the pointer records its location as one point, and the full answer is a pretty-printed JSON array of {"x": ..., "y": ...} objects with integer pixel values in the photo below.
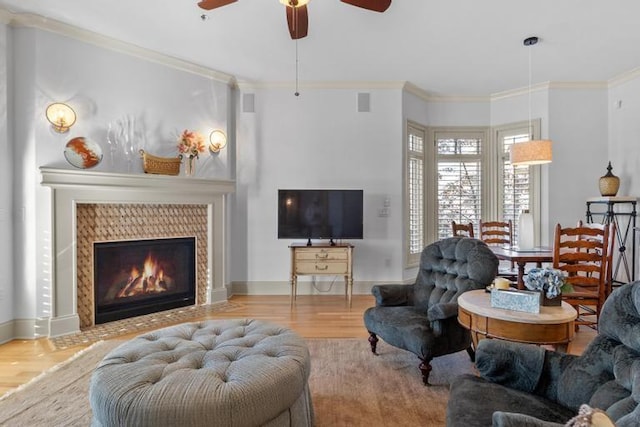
[{"x": 160, "y": 165}]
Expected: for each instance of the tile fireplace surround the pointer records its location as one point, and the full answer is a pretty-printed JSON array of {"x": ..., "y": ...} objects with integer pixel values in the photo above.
[{"x": 84, "y": 200}]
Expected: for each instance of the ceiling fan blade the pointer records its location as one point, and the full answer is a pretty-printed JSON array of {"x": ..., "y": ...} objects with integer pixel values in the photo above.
[
  {"x": 375, "y": 5},
  {"x": 298, "y": 21},
  {"x": 212, "y": 4}
]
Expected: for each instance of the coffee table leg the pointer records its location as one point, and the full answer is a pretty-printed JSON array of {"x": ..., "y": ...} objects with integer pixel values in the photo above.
[{"x": 475, "y": 338}]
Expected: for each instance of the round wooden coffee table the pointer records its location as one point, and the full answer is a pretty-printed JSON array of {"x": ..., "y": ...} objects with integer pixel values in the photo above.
[{"x": 552, "y": 326}]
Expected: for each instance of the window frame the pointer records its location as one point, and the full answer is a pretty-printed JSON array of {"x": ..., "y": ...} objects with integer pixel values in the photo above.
[
  {"x": 481, "y": 132},
  {"x": 535, "y": 173},
  {"x": 412, "y": 259},
  {"x": 492, "y": 188}
]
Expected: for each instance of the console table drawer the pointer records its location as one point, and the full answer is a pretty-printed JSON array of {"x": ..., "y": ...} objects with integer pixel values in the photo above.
[
  {"x": 322, "y": 268},
  {"x": 318, "y": 255}
]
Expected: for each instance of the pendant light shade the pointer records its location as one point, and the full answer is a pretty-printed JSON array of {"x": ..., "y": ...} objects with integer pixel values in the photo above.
[{"x": 536, "y": 152}]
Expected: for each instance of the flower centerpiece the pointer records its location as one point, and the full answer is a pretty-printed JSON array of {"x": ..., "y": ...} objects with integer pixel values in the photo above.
[
  {"x": 549, "y": 281},
  {"x": 191, "y": 144}
]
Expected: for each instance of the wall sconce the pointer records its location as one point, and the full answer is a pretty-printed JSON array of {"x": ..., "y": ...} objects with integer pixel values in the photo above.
[
  {"x": 217, "y": 141},
  {"x": 61, "y": 116}
]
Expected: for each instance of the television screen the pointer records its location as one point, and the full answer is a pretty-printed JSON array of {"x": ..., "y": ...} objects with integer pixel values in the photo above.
[{"x": 320, "y": 214}]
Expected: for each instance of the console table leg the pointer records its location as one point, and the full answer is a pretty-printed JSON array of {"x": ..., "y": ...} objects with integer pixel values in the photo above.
[
  {"x": 294, "y": 285},
  {"x": 349, "y": 288}
]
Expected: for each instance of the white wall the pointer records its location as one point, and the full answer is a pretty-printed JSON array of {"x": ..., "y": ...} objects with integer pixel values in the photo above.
[
  {"x": 102, "y": 85},
  {"x": 317, "y": 140},
  {"x": 6, "y": 181},
  {"x": 623, "y": 106},
  {"x": 578, "y": 128}
]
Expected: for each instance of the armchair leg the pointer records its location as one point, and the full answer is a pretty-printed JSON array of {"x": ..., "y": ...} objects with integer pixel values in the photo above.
[
  {"x": 425, "y": 368},
  {"x": 472, "y": 353},
  {"x": 373, "y": 340}
]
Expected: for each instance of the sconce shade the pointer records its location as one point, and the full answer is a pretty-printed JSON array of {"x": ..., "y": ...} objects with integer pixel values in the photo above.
[
  {"x": 217, "y": 141},
  {"x": 61, "y": 116},
  {"x": 536, "y": 152}
]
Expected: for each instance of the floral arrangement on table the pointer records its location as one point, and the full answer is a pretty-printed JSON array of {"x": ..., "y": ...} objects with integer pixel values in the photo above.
[
  {"x": 548, "y": 280},
  {"x": 191, "y": 143}
]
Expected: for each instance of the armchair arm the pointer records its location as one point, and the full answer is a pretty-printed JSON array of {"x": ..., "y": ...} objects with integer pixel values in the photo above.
[
  {"x": 524, "y": 367},
  {"x": 442, "y": 311},
  {"x": 392, "y": 295},
  {"x": 514, "y": 365}
]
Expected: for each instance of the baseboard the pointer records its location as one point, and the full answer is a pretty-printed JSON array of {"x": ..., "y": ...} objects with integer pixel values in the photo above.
[
  {"x": 6, "y": 331},
  {"x": 64, "y": 325},
  {"x": 219, "y": 295},
  {"x": 305, "y": 287}
]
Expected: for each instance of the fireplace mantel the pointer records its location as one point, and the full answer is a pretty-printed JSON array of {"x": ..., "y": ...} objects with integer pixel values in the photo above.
[
  {"x": 82, "y": 179},
  {"x": 72, "y": 187}
]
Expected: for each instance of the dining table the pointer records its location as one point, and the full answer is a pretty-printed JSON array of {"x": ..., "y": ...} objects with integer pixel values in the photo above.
[{"x": 522, "y": 257}]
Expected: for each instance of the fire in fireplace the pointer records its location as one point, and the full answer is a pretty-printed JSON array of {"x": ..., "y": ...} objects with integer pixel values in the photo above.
[{"x": 136, "y": 277}]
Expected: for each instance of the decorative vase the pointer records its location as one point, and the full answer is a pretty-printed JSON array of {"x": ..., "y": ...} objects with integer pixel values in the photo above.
[
  {"x": 550, "y": 302},
  {"x": 609, "y": 184},
  {"x": 190, "y": 165},
  {"x": 525, "y": 230}
]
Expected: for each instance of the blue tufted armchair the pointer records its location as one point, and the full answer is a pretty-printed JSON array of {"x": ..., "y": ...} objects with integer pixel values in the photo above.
[
  {"x": 423, "y": 317},
  {"x": 522, "y": 385}
]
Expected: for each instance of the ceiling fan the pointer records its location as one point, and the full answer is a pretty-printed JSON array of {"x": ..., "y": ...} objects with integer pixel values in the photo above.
[{"x": 297, "y": 16}]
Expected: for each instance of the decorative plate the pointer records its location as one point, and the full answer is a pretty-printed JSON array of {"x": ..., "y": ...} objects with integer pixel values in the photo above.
[{"x": 83, "y": 153}]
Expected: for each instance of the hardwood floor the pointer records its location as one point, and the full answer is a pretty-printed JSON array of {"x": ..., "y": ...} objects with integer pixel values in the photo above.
[{"x": 312, "y": 317}]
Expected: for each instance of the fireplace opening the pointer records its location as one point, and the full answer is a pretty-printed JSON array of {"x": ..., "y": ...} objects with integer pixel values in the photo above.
[{"x": 136, "y": 277}]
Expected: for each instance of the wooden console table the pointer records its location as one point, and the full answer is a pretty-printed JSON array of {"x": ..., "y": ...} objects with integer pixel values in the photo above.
[
  {"x": 553, "y": 325},
  {"x": 322, "y": 260}
]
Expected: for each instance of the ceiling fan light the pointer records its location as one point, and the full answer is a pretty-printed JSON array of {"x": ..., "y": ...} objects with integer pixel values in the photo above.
[{"x": 293, "y": 3}]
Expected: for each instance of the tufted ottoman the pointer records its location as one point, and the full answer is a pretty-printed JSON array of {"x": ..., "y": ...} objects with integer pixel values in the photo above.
[{"x": 212, "y": 373}]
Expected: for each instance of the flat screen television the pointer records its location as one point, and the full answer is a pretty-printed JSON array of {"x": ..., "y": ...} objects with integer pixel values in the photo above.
[{"x": 320, "y": 214}]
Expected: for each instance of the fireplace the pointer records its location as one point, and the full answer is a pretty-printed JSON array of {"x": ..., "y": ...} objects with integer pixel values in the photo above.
[
  {"x": 136, "y": 277},
  {"x": 89, "y": 206}
]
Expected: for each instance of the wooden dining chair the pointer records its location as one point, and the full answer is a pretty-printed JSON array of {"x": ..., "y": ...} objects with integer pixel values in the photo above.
[
  {"x": 610, "y": 250},
  {"x": 464, "y": 230},
  {"x": 496, "y": 232},
  {"x": 499, "y": 233},
  {"x": 582, "y": 251}
]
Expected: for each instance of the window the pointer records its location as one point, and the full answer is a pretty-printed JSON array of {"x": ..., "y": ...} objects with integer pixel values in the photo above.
[
  {"x": 459, "y": 159},
  {"x": 415, "y": 193},
  {"x": 463, "y": 175},
  {"x": 518, "y": 187}
]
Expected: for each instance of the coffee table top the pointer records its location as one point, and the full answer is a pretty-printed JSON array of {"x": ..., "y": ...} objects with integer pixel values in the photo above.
[{"x": 479, "y": 302}]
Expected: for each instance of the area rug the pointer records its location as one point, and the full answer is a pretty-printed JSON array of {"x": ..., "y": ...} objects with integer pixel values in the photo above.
[{"x": 349, "y": 385}]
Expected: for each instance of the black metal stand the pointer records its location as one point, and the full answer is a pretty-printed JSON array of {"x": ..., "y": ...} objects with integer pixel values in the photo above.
[{"x": 625, "y": 221}]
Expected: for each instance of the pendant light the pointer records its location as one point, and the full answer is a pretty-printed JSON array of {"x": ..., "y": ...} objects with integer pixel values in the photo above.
[{"x": 532, "y": 152}]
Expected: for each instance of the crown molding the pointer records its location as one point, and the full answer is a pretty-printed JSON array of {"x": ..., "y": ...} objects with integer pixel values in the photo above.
[
  {"x": 246, "y": 85},
  {"x": 429, "y": 97},
  {"x": 16, "y": 19},
  {"x": 546, "y": 86},
  {"x": 624, "y": 77},
  {"x": 51, "y": 25},
  {"x": 512, "y": 93}
]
